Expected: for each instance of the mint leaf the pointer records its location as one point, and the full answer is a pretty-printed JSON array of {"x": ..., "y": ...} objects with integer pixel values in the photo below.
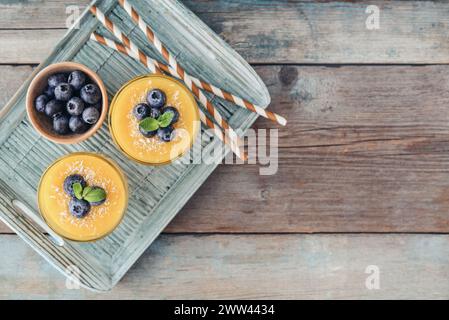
[
  {"x": 86, "y": 191},
  {"x": 78, "y": 190},
  {"x": 165, "y": 119},
  {"x": 149, "y": 124},
  {"x": 95, "y": 195}
]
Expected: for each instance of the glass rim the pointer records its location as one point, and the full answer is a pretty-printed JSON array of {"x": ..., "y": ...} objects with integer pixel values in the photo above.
[
  {"x": 111, "y": 130},
  {"x": 97, "y": 155}
]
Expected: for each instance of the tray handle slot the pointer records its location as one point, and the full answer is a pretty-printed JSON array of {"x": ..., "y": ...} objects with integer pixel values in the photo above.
[{"x": 29, "y": 213}]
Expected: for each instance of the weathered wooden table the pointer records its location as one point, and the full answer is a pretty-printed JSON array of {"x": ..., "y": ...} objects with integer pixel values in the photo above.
[{"x": 364, "y": 163}]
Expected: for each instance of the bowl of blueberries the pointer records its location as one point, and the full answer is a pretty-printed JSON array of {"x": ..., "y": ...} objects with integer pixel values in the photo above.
[{"x": 67, "y": 102}]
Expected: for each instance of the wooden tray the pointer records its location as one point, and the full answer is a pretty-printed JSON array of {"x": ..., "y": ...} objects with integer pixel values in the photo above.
[{"x": 156, "y": 193}]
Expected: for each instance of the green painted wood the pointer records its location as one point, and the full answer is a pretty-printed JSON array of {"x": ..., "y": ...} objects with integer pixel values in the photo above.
[
  {"x": 253, "y": 267},
  {"x": 156, "y": 194}
]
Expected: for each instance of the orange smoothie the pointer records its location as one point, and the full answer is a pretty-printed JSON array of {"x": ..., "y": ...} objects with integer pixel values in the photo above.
[
  {"x": 125, "y": 127},
  {"x": 101, "y": 219}
]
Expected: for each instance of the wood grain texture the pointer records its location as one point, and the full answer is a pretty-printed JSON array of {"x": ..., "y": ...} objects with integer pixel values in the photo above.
[
  {"x": 39, "y": 14},
  {"x": 156, "y": 194},
  {"x": 12, "y": 79},
  {"x": 253, "y": 267},
  {"x": 330, "y": 31},
  {"x": 365, "y": 151},
  {"x": 308, "y": 32},
  {"x": 27, "y": 46}
]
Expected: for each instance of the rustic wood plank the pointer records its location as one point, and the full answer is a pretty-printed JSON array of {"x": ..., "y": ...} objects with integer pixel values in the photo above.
[
  {"x": 253, "y": 267},
  {"x": 328, "y": 106},
  {"x": 329, "y": 31},
  {"x": 10, "y": 81},
  {"x": 366, "y": 150},
  {"x": 12, "y": 78},
  {"x": 104, "y": 262},
  {"x": 308, "y": 32},
  {"x": 27, "y": 46},
  {"x": 38, "y": 14}
]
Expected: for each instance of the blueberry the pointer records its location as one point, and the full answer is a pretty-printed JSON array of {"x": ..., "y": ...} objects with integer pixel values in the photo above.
[
  {"x": 75, "y": 106},
  {"x": 99, "y": 203},
  {"x": 172, "y": 110},
  {"x": 61, "y": 123},
  {"x": 40, "y": 103},
  {"x": 156, "y": 98},
  {"x": 70, "y": 181},
  {"x": 79, "y": 208},
  {"x": 91, "y": 115},
  {"x": 155, "y": 113},
  {"x": 147, "y": 134},
  {"x": 97, "y": 106},
  {"x": 50, "y": 92},
  {"x": 57, "y": 79},
  {"x": 165, "y": 134},
  {"x": 77, "y": 79},
  {"x": 141, "y": 111},
  {"x": 53, "y": 107},
  {"x": 90, "y": 93},
  {"x": 77, "y": 125},
  {"x": 63, "y": 92}
]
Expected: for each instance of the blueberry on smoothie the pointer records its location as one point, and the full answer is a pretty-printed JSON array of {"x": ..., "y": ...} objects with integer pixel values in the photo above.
[
  {"x": 79, "y": 208},
  {"x": 141, "y": 111},
  {"x": 165, "y": 134},
  {"x": 173, "y": 111},
  {"x": 156, "y": 98},
  {"x": 70, "y": 181}
]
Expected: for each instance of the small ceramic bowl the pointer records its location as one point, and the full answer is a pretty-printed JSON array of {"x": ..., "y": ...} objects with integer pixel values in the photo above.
[{"x": 41, "y": 123}]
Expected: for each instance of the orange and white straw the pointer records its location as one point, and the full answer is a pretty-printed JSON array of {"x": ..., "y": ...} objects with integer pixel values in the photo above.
[
  {"x": 169, "y": 57},
  {"x": 154, "y": 68},
  {"x": 234, "y": 139}
]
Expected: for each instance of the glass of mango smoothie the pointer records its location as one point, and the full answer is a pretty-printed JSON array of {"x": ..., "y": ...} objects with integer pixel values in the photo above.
[
  {"x": 154, "y": 119},
  {"x": 83, "y": 196}
]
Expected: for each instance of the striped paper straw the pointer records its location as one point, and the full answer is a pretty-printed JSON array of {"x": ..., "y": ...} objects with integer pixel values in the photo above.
[
  {"x": 192, "y": 86},
  {"x": 149, "y": 63},
  {"x": 173, "y": 63},
  {"x": 169, "y": 57}
]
